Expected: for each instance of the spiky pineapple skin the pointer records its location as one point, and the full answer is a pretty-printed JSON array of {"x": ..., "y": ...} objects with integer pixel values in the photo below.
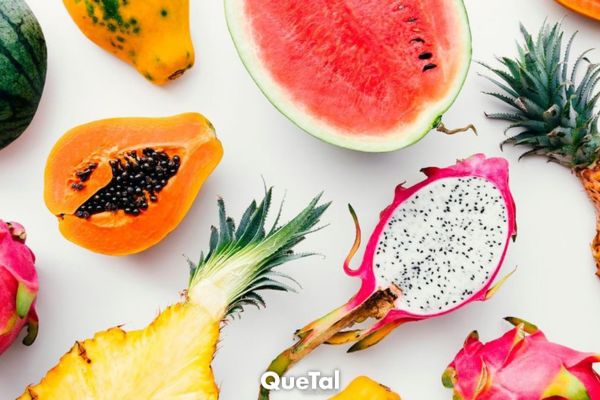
[
  {"x": 168, "y": 360},
  {"x": 590, "y": 178}
]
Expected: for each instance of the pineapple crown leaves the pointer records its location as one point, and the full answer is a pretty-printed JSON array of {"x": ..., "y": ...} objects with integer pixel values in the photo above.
[
  {"x": 242, "y": 260},
  {"x": 553, "y": 102}
]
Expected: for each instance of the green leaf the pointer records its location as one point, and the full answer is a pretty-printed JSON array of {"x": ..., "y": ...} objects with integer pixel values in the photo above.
[
  {"x": 32, "y": 332},
  {"x": 241, "y": 262},
  {"x": 25, "y": 298},
  {"x": 566, "y": 385},
  {"x": 526, "y": 326},
  {"x": 449, "y": 378},
  {"x": 552, "y": 104}
]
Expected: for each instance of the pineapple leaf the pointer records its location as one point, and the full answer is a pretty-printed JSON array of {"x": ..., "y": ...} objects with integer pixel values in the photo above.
[
  {"x": 552, "y": 101},
  {"x": 567, "y": 56},
  {"x": 506, "y": 99},
  {"x": 241, "y": 261},
  {"x": 505, "y": 116}
]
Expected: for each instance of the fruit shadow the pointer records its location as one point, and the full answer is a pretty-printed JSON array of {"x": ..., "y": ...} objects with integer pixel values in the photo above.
[{"x": 165, "y": 264}]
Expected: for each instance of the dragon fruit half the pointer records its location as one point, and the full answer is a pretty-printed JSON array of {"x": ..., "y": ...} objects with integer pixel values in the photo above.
[
  {"x": 18, "y": 286},
  {"x": 521, "y": 365},
  {"x": 437, "y": 247}
]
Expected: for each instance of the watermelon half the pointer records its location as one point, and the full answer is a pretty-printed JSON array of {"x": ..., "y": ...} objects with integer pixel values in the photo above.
[{"x": 369, "y": 75}]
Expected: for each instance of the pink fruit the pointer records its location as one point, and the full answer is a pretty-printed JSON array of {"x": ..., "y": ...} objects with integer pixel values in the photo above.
[
  {"x": 521, "y": 365},
  {"x": 18, "y": 286},
  {"x": 437, "y": 247}
]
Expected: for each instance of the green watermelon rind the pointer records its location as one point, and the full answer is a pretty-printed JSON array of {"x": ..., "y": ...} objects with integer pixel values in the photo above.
[
  {"x": 23, "y": 68},
  {"x": 392, "y": 140}
]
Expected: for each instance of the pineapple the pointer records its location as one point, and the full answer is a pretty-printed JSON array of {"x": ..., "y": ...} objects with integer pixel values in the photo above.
[
  {"x": 170, "y": 359},
  {"x": 553, "y": 107}
]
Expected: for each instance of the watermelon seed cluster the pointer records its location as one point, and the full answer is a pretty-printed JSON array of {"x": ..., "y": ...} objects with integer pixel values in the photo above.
[{"x": 425, "y": 55}]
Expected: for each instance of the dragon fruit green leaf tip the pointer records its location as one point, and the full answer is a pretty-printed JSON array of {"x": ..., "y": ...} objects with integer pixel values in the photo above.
[
  {"x": 521, "y": 365},
  {"x": 438, "y": 247},
  {"x": 18, "y": 286}
]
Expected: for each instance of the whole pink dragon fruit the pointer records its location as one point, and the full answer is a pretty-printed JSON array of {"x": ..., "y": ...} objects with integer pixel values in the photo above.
[
  {"x": 18, "y": 286},
  {"x": 521, "y": 365}
]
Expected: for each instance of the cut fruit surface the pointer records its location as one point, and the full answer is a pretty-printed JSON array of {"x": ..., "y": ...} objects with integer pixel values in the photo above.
[
  {"x": 120, "y": 186},
  {"x": 125, "y": 365},
  {"x": 434, "y": 238},
  {"x": 589, "y": 8},
  {"x": 366, "y": 75}
]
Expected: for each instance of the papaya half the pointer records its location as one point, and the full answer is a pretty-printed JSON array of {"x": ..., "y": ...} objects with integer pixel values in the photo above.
[
  {"x": 120, "y": 186},
  {"x": 152, "y": 35}
]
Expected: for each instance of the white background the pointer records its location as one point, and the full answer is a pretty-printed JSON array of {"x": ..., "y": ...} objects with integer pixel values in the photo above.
[{"x": 82, "y": 293}]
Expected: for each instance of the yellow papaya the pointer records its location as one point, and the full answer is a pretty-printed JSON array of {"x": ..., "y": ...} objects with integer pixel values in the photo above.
[
  {"x": 152, "y": 35},
  {"x": 363, "y": 388}
]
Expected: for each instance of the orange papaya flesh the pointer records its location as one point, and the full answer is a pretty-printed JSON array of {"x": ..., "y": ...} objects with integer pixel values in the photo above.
[
  {"x": 589, "y": 8},
  {"x": 120, "y": 186}
]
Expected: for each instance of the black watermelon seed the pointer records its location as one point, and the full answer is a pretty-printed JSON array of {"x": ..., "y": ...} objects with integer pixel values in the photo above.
[{"x": 428, "y": 67}]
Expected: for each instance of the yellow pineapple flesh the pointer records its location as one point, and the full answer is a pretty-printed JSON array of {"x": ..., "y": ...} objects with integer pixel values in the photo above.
[
  {"x": 364, "y": 388},
  {"x": 169, "y": 359},
  {"x": 590, "y": 178}
]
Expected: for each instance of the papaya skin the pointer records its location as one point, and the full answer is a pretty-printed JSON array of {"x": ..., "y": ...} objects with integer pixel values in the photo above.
[
  {"x": 151, "y": 35},
  {"x": 589, "y": 8},
  {"x": 189, "y": 136},
  {"x": 364, "y": 388}
]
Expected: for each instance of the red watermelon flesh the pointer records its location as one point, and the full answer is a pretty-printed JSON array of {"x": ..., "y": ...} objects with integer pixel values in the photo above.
[{"x": 371, "y": 75}]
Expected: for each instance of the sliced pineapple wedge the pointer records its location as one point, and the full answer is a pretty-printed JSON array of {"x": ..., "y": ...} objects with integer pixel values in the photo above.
[{"x": 171, "y": 358}]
